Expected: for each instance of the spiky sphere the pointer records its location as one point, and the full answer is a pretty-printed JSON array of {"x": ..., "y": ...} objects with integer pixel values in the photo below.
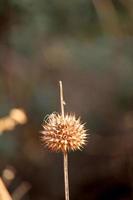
[{"x": 63, "y": 133}]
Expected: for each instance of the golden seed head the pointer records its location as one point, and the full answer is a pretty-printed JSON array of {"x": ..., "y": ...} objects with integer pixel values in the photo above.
[{"x": 63, "y": 133}]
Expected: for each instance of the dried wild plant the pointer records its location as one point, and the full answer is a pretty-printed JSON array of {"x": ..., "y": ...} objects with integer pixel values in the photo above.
[{"x": 63, "y": 133}]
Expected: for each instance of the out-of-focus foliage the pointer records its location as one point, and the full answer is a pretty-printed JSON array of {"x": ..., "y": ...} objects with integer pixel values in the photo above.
[{"x": 88, "y": 44}]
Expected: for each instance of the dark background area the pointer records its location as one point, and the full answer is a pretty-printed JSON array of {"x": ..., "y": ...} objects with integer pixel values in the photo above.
[{"x": 88, "y": 44}]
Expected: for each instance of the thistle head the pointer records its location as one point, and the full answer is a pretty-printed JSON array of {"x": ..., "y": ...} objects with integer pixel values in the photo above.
[{"x": 63, "y": 133}]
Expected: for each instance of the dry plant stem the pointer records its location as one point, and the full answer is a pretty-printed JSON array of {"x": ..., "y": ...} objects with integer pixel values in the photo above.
[
  {"x": 66, "y": 176},
  {"x": 4, "y": 194},
  {"x": 61, "y": 99},
  {"x": 66, "y": 179},
  {"x": 21, "y": 190}
]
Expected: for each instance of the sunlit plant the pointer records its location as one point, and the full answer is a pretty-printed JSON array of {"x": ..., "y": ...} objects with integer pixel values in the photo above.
[{"x": 62, "y": 133}]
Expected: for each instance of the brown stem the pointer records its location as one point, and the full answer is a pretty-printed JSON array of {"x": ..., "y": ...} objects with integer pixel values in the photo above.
[
  {"x": 108, "y": 17},
  {"x": 4, "y": 194},
  {"x": 66, "y": 178},
  {"x": 61, "y": 98}
]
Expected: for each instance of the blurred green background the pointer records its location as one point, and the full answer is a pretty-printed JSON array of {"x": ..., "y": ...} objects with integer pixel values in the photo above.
[{"x": 88, "y": 44}]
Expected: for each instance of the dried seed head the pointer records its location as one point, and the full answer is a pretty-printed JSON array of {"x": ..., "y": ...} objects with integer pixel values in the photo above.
[{"x": 63, "y": 133}]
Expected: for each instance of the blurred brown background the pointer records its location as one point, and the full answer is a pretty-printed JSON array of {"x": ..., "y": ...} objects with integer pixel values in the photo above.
[{"x": 88, "y": 44}]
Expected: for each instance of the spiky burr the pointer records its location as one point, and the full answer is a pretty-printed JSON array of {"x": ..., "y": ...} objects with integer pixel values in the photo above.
[{"x": 63, "y": 133}]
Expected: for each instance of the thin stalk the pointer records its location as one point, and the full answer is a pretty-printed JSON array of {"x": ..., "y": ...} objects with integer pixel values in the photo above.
[
  {"x": 61, "y": 98},
  {"x": 66, "y": 178}
]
